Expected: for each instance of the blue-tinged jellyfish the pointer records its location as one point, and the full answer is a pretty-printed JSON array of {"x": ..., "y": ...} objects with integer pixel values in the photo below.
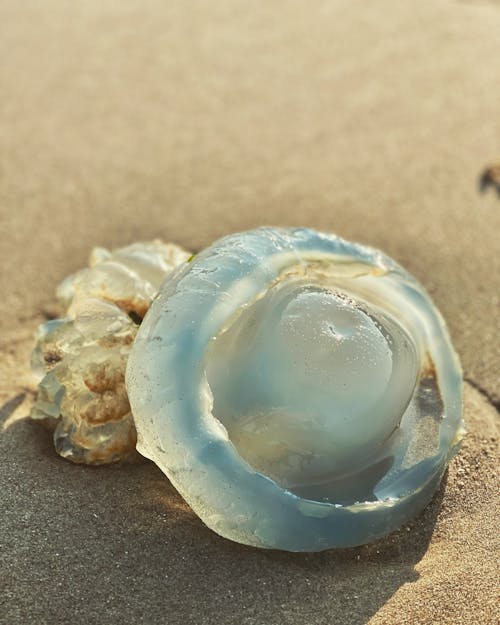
[{"x": 300, "y": 391}]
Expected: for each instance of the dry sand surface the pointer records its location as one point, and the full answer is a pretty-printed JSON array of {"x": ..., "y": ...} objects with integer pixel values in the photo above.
[{"x": 126, "y": 120}]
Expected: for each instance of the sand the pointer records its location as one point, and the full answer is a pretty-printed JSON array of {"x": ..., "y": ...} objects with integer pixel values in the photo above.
[{"x": 128, "y": 120}]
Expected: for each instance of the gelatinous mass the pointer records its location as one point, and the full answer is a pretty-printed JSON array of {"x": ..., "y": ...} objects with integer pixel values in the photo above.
[
  {"x": 80, "y": 358},
  {"x": 300, "y": 391}
]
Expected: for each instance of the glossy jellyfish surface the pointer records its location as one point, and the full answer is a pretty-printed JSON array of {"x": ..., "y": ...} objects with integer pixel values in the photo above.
[
  {"x": 80, "y": 359},
  {"x": 300, "y": 391}
]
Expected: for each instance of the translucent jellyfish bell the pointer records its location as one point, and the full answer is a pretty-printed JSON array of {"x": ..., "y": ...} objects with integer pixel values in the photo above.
[{"x": 300, "y": 391}]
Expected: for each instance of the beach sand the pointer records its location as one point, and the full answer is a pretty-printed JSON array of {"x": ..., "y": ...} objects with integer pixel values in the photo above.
[{"x": 124, "y": 121}]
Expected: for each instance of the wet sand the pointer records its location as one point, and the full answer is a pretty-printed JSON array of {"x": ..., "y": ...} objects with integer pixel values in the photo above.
[{"x": 121, "y": 121}]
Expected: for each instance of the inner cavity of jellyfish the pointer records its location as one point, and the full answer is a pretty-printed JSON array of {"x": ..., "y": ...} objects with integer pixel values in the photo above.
[{"x": 311, "y": 387}]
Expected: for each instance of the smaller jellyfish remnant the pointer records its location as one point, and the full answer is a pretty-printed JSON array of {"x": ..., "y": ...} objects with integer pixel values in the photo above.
[{"x": 80, "y": 359}]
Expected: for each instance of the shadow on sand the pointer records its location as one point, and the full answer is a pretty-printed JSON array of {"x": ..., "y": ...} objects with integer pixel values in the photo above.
[{"x": 123, "y": 547}]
